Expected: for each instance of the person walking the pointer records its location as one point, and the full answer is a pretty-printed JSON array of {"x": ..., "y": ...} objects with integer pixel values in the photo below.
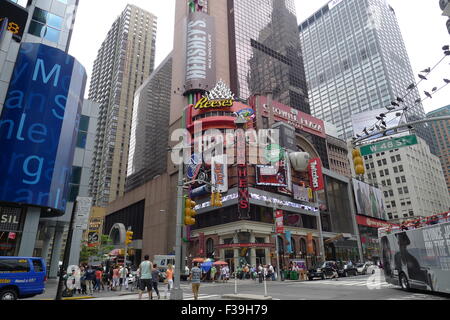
[
  {"x": 169, "y": 278},
  {"x": 195, "y": 278},
  {"x": 98, "y": 279},
  {"x": 83, "y": 280},
  {"x": 124, "y": 278},
  {"x": 90, "y": 279},
  {"x": 155, "y": 281},
  {"x": 116, "y": 276},
  {"x": 334, "y": 269},
  {"x": 145, "y": 274},
  {"x": 213, "y": 274},
  {"x": 260, "y": 274}
]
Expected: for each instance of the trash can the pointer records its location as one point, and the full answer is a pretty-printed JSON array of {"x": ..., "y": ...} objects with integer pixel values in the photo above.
[
  {"x": 285, "y": 275},
  {"x": 294, "y": 275}
]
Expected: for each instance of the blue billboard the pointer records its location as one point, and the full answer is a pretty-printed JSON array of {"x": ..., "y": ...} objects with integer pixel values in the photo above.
[{"x": 39, "y": 126}]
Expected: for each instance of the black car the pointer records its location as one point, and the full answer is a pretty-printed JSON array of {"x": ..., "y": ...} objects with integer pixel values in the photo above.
[
  {"x": 347, "y": 269},
  {"x": 323, "y": 271}
]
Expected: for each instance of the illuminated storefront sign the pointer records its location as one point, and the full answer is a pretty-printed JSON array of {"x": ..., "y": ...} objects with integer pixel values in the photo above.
[
  {"x": 10, "y": 218},
  {"x": 293, "y": 117},
  {"x": 219, "y": 97},
  {"x": 38, "y": 127},
  {"x": 17, "y": 18},
  {"x": 279, "y": 221},
  {"x": 315, "y": 174}
]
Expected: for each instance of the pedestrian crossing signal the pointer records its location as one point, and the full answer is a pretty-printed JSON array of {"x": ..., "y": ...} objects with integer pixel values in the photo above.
[{"x": 189, "y": 212}]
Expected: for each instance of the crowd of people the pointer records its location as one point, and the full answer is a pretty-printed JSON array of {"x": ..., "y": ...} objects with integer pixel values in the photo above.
[{"x": 418, "y": 223}]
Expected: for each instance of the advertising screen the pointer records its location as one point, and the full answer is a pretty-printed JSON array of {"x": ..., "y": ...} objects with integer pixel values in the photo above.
[
  {"x": 369, "y": 200},
  {"x": 17, "y": 18},
  {"x": 39, "y": 126}
]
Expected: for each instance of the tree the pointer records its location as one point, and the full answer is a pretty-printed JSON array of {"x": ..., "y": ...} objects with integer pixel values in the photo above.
[{"x": 97, "y": 252}]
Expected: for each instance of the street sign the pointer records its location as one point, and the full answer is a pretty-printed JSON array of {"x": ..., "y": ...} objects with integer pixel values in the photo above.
[
  {"x": 387, "y": 145},
  {"x": 194, "y": 166}
]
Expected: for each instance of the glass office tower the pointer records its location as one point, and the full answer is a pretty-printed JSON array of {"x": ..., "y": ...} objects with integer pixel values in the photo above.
[
  {"x": 356, "y": 61},
  {"x": 265, "y": 53}
]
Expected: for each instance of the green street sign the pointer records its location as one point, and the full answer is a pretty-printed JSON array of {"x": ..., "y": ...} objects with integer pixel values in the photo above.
[
  {"x": 387, "y": 145},
  {"x": 274, "y": 153}
]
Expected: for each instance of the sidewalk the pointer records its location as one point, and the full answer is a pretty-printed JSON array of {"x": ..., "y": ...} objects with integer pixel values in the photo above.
[{"x": 52, "y": 286}]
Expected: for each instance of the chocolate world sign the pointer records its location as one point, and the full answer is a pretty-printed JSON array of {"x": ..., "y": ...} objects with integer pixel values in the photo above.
[{"x": 200, "y": 52}]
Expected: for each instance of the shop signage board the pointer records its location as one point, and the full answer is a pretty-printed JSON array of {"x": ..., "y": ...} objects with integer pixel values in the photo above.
[
  {"x": 316, "y": 174},
  {"x": 201, "y": 243},
  {"x": 274, "y": 176},
  {"x": 293, "y": 117},
  {"x": 219, "y": 97},
  {"x": 371, "y": 222},
  {"x": 244, "y": 197},
  {"x": 388, "y": 145},
  {"x": 200, "y": 52},
  {"x": 219, "y": 174},
  {"x": 194, "y": 166},
  {"x": 10, "y": 218},
  {"x": 279, "y": 221},
  {"x": 300, "y": 193}
]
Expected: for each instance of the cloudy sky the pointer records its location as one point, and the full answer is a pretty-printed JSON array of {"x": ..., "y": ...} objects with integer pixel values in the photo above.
[{"x": 421, "y": 23}]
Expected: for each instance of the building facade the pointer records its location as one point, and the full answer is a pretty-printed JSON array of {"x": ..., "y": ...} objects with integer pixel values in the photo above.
[
  {"x": 150, "y": 127},
  {"x": 125, "y": 59},
  {"x": 40, "y": 48},
  {"x": 441, "y": 137},
  {"x": 265, "y": 53},
  {"x": 355, "y": 61},
  {"x": 411, "y": 180}
]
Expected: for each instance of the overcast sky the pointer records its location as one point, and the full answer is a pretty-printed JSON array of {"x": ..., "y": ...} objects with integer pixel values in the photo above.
[{"x": 422, "y": 25}]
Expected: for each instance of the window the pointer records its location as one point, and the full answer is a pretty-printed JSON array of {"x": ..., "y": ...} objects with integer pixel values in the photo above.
[
  {"x": 37, "y": 265},
  {"x": 394, "y": 205},
  {"x": 395, "y": 170},
  {"x": 384, "y": 161},
  {"x": 14, "y": 265},
  {"x": 391, "y": 193},
  {"x": 397, "y": 180},
  {"x": 393, "y": 159},
  {"x": 46, "y": 25},
  {"x": 405, "y": 190},
  {"x": 399, "y": 158},
  {"x": 401, "y": 168},
  {"x": 400, "y": 190}
]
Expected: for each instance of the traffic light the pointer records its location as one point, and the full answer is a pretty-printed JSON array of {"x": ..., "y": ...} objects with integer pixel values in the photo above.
[
  {"x": 358, "y": 162},
  {"x": 189, "y": 212},
  {"x": 129, "y": 238},
  {"x": 216, "y": 200}
]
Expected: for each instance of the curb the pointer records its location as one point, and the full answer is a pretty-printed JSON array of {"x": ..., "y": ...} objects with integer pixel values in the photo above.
[{"x": 244, "y": 297}]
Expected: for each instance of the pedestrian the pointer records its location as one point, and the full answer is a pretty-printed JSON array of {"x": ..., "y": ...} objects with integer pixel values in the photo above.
[
  {"x": 213, "y": 273},
  {"x": 169, "y": 278},
  {"x": 260, "y": 273},
  {"x": 155, "y": 280},
  {"x": 334, "y": 269},
  {"x": 195, "y": 278},
  {"x": 83, "y": 280},
  {"x": 272, "y": 272},
  {"x": 98, "y": 279},
  {"x": 90, "y": 279},
  {"x": 145, "y": 273},
  {"x": 123, "y": 277},
  {"x": 116, "y": 276}
]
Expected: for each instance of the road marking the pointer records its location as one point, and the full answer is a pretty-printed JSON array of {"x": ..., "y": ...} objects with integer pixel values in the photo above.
[{"x": 202, "y": 297}]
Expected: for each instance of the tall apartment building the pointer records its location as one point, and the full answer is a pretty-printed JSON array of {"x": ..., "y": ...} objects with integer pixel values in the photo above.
[
  {"x": 125, "y": 59},
  {"x": 150, "y": 127},
  {"x": 412, "y": 181},
  {"x": 441, "y": 137},
  {"x": 355, "y": 61}
]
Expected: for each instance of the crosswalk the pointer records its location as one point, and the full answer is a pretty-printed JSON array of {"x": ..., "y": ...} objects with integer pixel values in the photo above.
[{"x": 349, "y": 283}]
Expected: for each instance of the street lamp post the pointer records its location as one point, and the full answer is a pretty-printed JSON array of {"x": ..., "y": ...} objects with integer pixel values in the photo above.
[{"x": 177, "y": 292}]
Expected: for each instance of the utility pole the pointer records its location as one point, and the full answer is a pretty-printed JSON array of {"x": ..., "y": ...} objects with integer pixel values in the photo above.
[
  {"x": 177, "y": 292},
  {"x": 65, "y": 264}
]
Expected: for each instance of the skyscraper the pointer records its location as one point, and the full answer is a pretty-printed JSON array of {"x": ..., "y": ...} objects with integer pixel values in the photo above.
[
  {"x": 355, "y": 61},
  {"x": 150, "y": 127},
  {"x": 441, "y": 137},
  {"x": 125, "y": 59},
  {"x": 265, "y": 53}
]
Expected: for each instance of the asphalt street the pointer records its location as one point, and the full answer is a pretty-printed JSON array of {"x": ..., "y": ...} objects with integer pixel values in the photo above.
[{"x": 353, "y": 288}]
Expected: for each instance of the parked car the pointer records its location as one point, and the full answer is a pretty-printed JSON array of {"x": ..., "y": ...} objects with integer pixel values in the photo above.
[
  {"x": 21, "y": 277},
  {"x": 366, "y": 268},
  {"x": 347, "y": 269},
  {"x": 322, "y": 271}
]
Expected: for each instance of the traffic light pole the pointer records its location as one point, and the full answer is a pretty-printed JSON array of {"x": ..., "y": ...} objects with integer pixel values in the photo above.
[{"x": 177, "y": 292}]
